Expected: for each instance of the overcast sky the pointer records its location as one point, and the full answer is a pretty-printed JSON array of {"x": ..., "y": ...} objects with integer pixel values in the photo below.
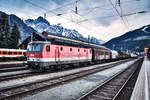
[{"x": 96, "y": 18}]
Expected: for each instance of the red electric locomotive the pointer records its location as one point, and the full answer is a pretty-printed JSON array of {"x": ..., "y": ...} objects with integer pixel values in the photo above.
[{"x": 44, "y": 55}]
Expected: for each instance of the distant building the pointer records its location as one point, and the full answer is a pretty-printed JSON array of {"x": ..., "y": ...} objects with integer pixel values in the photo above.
[
  {"x": 35, "y": 37},
  {"x": 146, "y": 48},
  {"x": 56, "y": 39}
]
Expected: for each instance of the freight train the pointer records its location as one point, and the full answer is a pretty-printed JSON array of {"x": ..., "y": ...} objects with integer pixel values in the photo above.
[{"x": 42, "y": 55}]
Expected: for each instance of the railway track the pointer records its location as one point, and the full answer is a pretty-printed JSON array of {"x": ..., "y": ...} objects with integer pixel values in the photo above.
[
  {"x": 112, "y": 88},
  {"x": 16, "y": 76},
  {"x": 40, "y": 85},
  {"x": 28, "y": 74},
  {"x": 13, "y": 69},
  {"x": 11, "y": 64}
]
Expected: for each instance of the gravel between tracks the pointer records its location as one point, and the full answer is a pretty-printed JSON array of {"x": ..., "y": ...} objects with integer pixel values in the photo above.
[
  {"x": 75, "y": 89},
  {"x": 50, "y": 75}
]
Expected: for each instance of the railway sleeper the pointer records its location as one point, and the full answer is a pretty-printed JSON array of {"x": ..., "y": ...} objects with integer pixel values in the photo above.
[
  {"x": 105, "y": 94},
  {"x": 119, "y": 83},
  {"x": 97, "y": 97},
  {"x": 108, "y": 89},
  {"x": 120, "y": 79}
]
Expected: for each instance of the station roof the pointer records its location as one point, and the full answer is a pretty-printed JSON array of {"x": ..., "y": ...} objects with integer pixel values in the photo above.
[
  {"x": 62, "y": 40},
  {"x": 40, "y": 42}
]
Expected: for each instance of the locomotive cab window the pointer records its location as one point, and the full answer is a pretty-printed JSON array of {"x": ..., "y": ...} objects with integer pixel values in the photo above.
[
  {"x": 35, "y": 47},
  {"x": 48, "y": 48}
]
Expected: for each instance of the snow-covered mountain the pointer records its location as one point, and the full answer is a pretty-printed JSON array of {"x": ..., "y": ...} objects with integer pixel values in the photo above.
[
  {"x": 131, "y": 41},
  {"x": 97, "y": 41},
  {"x": 40, "y": 24},
  {"x": 23, "y": 28}
]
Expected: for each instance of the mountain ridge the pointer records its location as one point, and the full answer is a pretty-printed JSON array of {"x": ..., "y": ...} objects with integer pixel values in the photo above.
[
  {"x": 59, "y": 30},
  {"x": 40, "y": 24},
  {"x": 131, "y": 41}
]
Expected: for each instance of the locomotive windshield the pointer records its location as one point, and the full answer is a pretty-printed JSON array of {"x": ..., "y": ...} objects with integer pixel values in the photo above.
[{"x": 35, "y": 47}]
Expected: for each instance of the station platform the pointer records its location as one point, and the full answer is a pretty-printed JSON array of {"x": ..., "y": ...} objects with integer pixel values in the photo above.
[{"x": 142, "y": 87}]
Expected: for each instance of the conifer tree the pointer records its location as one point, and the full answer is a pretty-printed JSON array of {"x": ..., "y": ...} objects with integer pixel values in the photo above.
[
  {"x": 15, "y": 36},
  {"x": 4, "y": 31}
]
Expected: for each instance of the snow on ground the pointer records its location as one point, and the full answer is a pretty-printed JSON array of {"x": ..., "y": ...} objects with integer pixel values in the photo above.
[
  {"x": 127, "y": 40},
  {"x": 75, "y": 89},
  {"x": 141, "y": 38},
  {"x": 144, "y": 29},
  {"x": 45, "y": 76},
  {"x": 147, "y": 64},
  {"x": 137, "y": 38}
]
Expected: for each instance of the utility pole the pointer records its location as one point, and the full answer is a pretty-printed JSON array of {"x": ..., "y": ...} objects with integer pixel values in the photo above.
[
  {"x": 89, "y": 38},
  {"x": 76, "y": 8},
  {"x": 113, "y": 46},
  {"x": 32, "y": 37},
  {"x": 118, "y": 2},
  {"x": 44, "y": 15},
  {"x": 9, "y": 20}
]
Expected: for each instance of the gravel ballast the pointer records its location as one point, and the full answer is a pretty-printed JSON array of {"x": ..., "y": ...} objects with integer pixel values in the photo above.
[{"x": 75, "y": 89}]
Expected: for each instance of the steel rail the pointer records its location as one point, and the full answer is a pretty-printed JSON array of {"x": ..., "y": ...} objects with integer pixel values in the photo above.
[
  {"x": 107, "y": 81},
  {"x": 50, "y": 82}
]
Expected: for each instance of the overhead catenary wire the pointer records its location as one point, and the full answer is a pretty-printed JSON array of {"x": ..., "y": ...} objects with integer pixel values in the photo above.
[
  {"x": 51, "y": 11},
  {"x": 73, "y": 3},
  {"x": 101, "y": 7},
  {"x": 118, "y": 14},
  {"x": 92, "y": 9},
  {"x": 87, "y": 19},
  {"x": 63, "y": 6},
  {"x": 111, "y": 16},
  {"x": 56, "y": 14},
  {"x": 45, "y": 9},
  {"x": 96, "y": 7},
  {"x": 119, "y": 4},
  {"x": 101, "y": 17}
]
